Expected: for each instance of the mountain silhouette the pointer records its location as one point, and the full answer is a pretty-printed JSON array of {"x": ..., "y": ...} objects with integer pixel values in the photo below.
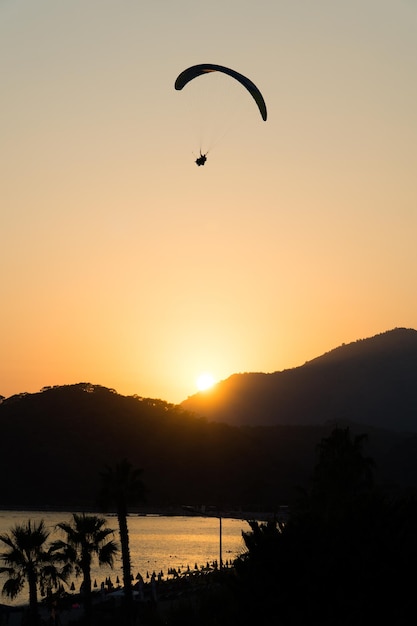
[
  {"x": 55, "y": 443},
  {"x": 370, "y": 381}
]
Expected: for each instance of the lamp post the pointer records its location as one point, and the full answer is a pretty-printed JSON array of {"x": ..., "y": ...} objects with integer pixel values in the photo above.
[{"x": 220, "y": 540}]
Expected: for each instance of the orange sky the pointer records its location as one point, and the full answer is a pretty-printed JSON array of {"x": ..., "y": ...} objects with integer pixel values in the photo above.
[{"x": 123, "y": 264}]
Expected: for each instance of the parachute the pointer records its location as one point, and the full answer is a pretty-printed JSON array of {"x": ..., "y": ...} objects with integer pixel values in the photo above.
[{"x": 205, "y": 68}]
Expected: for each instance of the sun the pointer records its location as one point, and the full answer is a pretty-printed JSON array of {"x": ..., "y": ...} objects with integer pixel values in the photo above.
[{"x": 205, "y": 381}]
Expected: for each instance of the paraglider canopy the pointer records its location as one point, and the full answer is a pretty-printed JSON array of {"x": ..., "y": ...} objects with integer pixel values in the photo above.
[{"x": 205, "y": 68}]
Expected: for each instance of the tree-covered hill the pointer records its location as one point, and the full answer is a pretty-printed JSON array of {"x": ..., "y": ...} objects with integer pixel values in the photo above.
[
  {"x": 55, "y": 443},
  {"x": 370, "y": 381}
]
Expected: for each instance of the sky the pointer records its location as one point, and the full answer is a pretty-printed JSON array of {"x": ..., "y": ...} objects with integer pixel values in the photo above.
[{"x": 123, "y": 264}]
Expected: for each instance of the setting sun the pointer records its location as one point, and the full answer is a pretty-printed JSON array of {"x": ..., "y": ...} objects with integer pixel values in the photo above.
[{"x": 205, "y": 381}]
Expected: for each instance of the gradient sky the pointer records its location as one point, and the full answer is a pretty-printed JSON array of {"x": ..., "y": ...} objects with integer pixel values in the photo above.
[{"x": 125, "y": 265}]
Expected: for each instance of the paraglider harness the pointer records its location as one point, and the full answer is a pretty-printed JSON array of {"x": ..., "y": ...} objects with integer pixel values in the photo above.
[{"x": 201, "y": 159}]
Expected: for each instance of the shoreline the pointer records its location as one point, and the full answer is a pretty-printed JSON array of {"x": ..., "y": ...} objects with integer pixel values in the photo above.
[
  {"x": 156, "y": 595},
  {"x": 177, "y": 511}
]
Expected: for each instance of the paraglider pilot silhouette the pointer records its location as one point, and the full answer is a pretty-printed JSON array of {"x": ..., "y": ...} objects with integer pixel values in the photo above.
[
  {"x": 201, "y": 159},
  {"x": 207, "y": 68}
]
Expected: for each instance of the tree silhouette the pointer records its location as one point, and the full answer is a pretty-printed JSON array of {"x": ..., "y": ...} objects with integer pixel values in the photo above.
[
  {"x": 121, "y": 486},
  {"x": 26, "y": 559},
  {"x": 343, "y": 557},
  {"x": 86, "y": 536},
  {"x": 342, "y": 472}
]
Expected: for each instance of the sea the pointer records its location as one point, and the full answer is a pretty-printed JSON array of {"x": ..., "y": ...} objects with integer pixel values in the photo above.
[{"x": 159, "y": 544}]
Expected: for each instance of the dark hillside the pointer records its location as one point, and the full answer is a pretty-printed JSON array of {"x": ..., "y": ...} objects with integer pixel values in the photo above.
[
  {"x": 371, "y": 381},
  {"x": 55, "y": 443}
]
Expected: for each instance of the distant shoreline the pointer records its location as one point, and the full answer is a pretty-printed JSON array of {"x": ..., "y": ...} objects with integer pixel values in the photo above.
[{"x": 178, "y": 511}]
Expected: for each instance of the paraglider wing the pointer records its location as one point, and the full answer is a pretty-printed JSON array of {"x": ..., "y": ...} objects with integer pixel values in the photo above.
[{"x": 206, "y": 68}]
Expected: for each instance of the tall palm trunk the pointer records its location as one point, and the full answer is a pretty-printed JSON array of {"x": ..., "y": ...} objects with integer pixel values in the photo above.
[
  {"x": 88, "y": 599},
  {"x": 119, "y": 487},
  {"x": 33, "y": 599},
  {"x": 126, "y": 564}
]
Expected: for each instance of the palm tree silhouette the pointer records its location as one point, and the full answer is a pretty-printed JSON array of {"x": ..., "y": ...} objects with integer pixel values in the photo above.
[
  {"x": 28, "y": 561},
  {"x": 121, "y": 486},
  {"x": 342, "y": 471},
  {"x": 86, "y": 536}
]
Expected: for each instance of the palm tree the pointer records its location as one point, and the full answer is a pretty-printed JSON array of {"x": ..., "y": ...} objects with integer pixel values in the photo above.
[
  {"x": 26, "y": 559},
  {"x": 342, "y": 472},
  {"x": 86, "y": 536},
  {"x": 122, "y": 486}
]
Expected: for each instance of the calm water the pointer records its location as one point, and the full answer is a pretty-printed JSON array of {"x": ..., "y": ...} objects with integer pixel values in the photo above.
[{"x": 157, "y": 543}]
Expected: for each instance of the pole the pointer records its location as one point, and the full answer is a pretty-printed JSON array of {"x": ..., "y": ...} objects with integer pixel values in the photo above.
[{"x": 220, "y": 542}]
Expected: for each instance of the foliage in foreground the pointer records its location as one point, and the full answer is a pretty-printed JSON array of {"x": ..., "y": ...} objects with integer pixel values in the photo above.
[
  {"x": 343, "y": 559},
  {"x": 28, "y": 561},
  {"x": 87, "y": 536}
]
